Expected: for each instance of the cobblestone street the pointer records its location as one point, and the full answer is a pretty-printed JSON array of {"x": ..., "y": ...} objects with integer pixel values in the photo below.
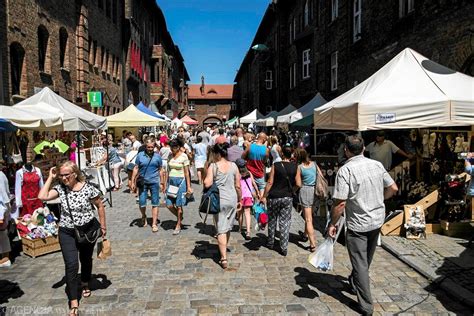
[{"x": 152, "y": 274}]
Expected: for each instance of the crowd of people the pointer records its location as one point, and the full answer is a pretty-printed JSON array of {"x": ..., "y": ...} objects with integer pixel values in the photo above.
[{"x": 248, "y": 168}]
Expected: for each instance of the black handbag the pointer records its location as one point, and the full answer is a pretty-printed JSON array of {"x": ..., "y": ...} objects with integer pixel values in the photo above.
[
  {"x": 294, "y": 194},
  {"x": 87, "y": 233}
]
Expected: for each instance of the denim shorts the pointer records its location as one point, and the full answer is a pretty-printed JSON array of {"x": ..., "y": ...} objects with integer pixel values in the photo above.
[
  {"x": 260, "y": 183},
  {"x": 154, "y": 189},
  {"x": 180, "y": 199}
]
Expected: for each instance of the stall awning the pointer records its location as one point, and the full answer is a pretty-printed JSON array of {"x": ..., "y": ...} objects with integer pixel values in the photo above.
[
  {"x": 132, "y": 117},
  {"x": 46, "y": 110},
  {"x": 410, "y": 91},
  {"x": 304, "y": 111},
  {"x": 232, "y": 121},
  {"x": 251, "y": 117}
]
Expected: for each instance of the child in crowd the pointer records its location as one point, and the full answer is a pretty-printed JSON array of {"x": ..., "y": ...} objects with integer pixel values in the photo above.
[{"x": 249, "y": 196}]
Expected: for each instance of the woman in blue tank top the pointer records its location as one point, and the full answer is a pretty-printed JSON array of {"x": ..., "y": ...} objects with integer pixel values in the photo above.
[{"x": 306, "y": 180}]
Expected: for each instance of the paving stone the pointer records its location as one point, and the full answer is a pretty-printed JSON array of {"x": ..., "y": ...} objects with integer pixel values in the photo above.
[{"x": 158, "y": 274}]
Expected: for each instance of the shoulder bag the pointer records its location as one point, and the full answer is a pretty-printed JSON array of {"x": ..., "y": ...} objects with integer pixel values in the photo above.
[
  {"x": 294, "y": 193},
  {"x": 130, "y": 164},
  {"x": 140, "y": 178},
  {"x": 87, "y": 233},
  {"x": 210, "y": 201},
  {"x": 321, "y": 188}
]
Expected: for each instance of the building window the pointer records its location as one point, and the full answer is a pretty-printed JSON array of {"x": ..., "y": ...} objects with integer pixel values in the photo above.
[
  {"x": 291, "y": 32},
  {"x": 108, "y": 8},
  {"x": 114, "y": 11},
  {"x": 334, "y": 9},
  {"x": 63, "y": 48},
  {"x": 17, "y": 58},
  {"x": 191, "y": 106},
  {"x": 43, "y": 58},
  {"x": 357, "y": 20},
  {"x": 306, "y": 63},
  {"x": 233, "y": 106},
  {"x": 405, "y": 7},
  {"x": 306, "y": 15},
  {"x": 269, "y": 80},
  {"x": 94, "y": 54},
  {"x": 275, "y": 41},
  {"x": 101, "y": 4},
  {"x": 294, "y": 28},
  {"x": 334, "y": 71},
  {"x": 293, "y": 76},
  {"x": 102, "y": 59}
]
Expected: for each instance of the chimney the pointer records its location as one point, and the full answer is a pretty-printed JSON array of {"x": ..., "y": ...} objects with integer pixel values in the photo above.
[{"x": 202, "y": 86}]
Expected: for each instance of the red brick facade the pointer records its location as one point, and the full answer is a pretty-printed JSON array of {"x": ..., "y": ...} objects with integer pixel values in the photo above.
[{"x": 211, "y": 104}]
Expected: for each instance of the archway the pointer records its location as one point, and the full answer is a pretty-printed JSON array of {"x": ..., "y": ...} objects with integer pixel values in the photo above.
[{"x": 212, "y": 120}]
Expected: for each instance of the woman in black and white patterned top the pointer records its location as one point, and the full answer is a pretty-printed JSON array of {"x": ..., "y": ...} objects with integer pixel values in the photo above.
[{"x": 82, "y": 198}]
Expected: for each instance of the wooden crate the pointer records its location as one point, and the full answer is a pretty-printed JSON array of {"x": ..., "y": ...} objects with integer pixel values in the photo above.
[
  {"x": 38, "y": 247},
  {"x": 433, "y": 229},
  {"x": 393, "y": 227},
  {"x": 457, "y": 229}
]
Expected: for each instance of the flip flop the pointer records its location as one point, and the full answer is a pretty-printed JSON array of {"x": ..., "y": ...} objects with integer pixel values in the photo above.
[{"x": 86, "y": 292}]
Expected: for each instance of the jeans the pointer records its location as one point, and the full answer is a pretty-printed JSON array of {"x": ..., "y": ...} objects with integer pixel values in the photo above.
[
  {"x": 70, "y": 249},
  {"x": 154, "y": 189}
]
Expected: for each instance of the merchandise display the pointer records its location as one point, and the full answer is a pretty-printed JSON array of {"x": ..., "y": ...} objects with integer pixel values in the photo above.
[{"x": 41, "y": 224}]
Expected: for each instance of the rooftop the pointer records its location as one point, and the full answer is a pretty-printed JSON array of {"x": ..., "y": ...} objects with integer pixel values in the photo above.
[{"x": 211, "y": 91}]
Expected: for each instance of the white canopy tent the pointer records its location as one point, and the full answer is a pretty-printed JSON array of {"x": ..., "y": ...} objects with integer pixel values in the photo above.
[
  {"x": 271, "y": 118},
  {"x": 267, "y": 120},
  {"x": 302, "y": 112},
  {"x": 48, "y": 111},
  {"x": 410, "y": 91},
  {"x": 132, "y": 117},
  {"x": 251, "y": 117}
]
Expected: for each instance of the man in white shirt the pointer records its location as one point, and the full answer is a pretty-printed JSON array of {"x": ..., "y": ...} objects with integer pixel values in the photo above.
[{"x": 382, "y": 150}]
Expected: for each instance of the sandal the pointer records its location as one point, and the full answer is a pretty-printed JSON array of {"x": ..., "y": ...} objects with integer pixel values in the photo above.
[
  {"x": 144, "y": 221},
  {"x": 303, "y": 237},
  {"x": 312, "y": 249},
  {"x": 74, "y": 311},
  {"x": 223, "y": 263},
  {"x": 86, "y": 292},
  {"x": 247, "y": 236},
  {"x": 154, "y": 228}
]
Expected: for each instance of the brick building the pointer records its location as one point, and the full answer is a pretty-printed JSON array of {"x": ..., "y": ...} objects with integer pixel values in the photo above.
[
  {"x": 90, "y": 45},
  {"x": 211, "y": 103},
  {"x": 70, "y": 48},
  {"x": 154, "y": 69},
  {"x": 331, "y": 46}
]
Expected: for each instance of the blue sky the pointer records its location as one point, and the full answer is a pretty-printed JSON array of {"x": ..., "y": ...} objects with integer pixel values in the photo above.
[{"x": 213, "y": 35}]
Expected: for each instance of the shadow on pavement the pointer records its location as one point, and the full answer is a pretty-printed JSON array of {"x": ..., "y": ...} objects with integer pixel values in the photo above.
[
  {"x": 9, "y": 290},
  {"x": 456, "y": 278},
  {"x": 206, "y": 229},
  {"x": 171, "y": 225},
  {"x": 206, "y": 250},
  {"x": 329, "y": 284},
  {"x": 258, "y": 241}
]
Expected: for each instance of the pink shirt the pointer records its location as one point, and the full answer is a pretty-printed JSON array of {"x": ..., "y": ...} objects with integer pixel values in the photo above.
[{"x": 246, "y": 192}]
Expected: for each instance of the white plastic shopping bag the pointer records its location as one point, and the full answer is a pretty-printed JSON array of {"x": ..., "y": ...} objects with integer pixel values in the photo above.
[{"x": 323, "y": 258}]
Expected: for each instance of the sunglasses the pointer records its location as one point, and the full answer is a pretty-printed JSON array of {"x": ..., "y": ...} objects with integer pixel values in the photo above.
[{"x": 65, "y": 175}]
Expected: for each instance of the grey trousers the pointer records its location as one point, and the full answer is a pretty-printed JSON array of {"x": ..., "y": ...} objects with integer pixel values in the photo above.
[{"x": 361, "y": 248}]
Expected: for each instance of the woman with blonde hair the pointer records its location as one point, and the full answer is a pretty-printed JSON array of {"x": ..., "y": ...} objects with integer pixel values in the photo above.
[
  {"x": 306, "y": 176},
  {"x": 78, "y": 200},
  {"x": 275, "y": 149}
]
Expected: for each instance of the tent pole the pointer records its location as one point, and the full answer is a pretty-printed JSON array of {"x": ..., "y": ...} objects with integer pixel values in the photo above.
[
  {"x": 315, "y": 143},
  {"x": 78, "y": 140},
  {"x": 108, "y": 169}
]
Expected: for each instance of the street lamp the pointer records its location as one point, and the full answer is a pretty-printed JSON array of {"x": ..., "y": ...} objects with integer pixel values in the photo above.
[{"x": 260, "y": 48}]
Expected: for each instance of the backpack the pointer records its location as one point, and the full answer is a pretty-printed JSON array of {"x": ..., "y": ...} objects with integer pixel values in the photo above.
[{"x": 210, "y": 201}]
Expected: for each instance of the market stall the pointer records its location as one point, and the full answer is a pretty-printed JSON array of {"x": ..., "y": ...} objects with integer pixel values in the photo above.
[
  {"x": 47, "y": 111},
  {"x": 188, "y": 120},
  {"x": 303, "y": 112},
  {"x": 412, "y": 92},
  {"x": 251, "y": 117},
  {"x": 267, "y": 120}
]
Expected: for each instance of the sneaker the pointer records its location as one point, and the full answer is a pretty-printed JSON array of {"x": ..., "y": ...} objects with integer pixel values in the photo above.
[
  {"x": 284, "y": 252},
  {"x": 6, "y": 264}
]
